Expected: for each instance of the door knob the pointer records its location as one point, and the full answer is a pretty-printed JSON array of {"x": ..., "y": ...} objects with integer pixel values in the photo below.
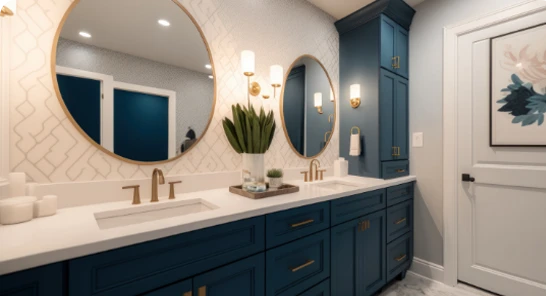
[{"x": 468, "y": 178}]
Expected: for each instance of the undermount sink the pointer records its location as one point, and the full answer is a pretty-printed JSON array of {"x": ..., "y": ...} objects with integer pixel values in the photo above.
[
  {"x": 148, "y": 213},
  {"x": 338, "y": 186}
]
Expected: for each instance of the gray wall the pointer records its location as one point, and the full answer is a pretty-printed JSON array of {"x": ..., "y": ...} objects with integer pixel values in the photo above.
[
  {"x": 426, "y": 58},
  {"x": 194, "y": 90},
  {"x": 316, "y": 124}
]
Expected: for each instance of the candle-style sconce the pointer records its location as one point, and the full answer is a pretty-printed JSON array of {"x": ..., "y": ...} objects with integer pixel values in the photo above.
[
  {"x": 248, "y": 64},
  {"x": 318, "y": 102},
  {"x": 355, "y": 96}
]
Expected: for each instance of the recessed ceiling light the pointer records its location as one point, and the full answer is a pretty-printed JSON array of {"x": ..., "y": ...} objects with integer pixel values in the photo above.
[
  {"x": 85, "y": 34},
  {"x": 164, "y": 23},
  {"x": 211, "y": 77},
  {"x": 208, "y": 66}
]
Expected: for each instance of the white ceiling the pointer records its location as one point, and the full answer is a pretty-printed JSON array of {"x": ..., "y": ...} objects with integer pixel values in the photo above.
[
  {"x": 130, "y": 26},
  {"x": 340, "y": 9}
]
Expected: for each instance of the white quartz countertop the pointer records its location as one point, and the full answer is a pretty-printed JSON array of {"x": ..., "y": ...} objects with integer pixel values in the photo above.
[{"x": 74, "y": 232}]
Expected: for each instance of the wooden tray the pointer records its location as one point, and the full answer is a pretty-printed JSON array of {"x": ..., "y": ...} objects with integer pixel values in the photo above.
[{"x": 284, "y": 189}]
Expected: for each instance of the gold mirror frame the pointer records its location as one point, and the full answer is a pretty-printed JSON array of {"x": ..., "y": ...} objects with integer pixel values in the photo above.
[
  {"x": 84, "y": 134},
  {"x": 282, "y": 107}
]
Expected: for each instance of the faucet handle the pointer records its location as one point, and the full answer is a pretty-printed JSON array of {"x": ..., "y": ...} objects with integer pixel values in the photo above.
[
  {"x": 305, "y": 178},
  {"x": 171, "y": 188},
  {"x": 136, "y": 193},
  {"x": 322, "y": 174}
]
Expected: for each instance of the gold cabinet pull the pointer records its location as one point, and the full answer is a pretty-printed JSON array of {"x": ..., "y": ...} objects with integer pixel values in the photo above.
[
  {"x": 202, "y": 291},
  {"x": 394, "y": 62},
  {"x": 398, "y": 154},
  {"x": 187, "y": 294},
  {"x": 364, "y": 225},
  {"x": 400, "y": 171},
  {"x": 400, "y": 221},
  {"x": 393, "y": 151},
  {"x": 302, "y": 223},
  {"x": 304, "y": 265},
  {"x": 398, "y": 62},
  {"x": 400, "y": 258}
]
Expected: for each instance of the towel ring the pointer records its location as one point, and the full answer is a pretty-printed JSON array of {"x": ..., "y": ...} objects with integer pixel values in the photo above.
[
  {"x": 355, "y": 127},
  {"x": 326, "y": 136}
]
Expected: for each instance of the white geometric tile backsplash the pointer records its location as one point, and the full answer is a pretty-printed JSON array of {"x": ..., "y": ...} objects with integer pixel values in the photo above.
[{"x": 46, "y": 146}]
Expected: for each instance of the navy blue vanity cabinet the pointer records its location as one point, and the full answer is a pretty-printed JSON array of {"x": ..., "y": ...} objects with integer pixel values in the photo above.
[
  {"x": 40, "y": 281},
  {"x": 358, "y": 256},
  {"x": 184, "y": 288},
  {"x": 374, "y": 53},
  {"x": 242, "y": 278},
  {"x": 322, "y": 289},
  {"x": 145, "y": 267}
]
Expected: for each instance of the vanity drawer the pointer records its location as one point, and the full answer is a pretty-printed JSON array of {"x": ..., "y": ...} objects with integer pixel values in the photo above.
[
  {"x": 395, "y": 169},
  {"x": 400, "y": 193},
  {"x": 144, "y": 267},
  {"x": 399, "y": 255},
  {"x": 322, "y": 289},
  {"x": 399, "y": 220},
  {"x": 355, "y": 206},
  {"x": 286, "y": 226},
  {"x": 182, "y": 288},
  {"x": 295, "y": 267}
]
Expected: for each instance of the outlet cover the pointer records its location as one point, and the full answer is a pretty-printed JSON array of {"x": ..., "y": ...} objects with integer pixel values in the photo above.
[{"x": 418, "y": 140}]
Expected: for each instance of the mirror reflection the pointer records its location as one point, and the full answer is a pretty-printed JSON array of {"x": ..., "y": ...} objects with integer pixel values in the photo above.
[
  {"x": 136, "y": 78},
  {"x": 308, "y": 106}
]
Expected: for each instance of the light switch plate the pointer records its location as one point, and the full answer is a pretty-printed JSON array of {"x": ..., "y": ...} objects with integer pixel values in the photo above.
[{"x": 418, "y": 140}]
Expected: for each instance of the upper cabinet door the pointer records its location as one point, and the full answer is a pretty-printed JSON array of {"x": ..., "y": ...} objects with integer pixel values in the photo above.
[
  {"x": 402, "y": 52},
  {"x": 401, "y": 125},
  {"x": 387, "y": 93},
  {"x": 394, "y": 47},
  {"x": 242, "y": 278},
  {"x": 388, "y": 43}
]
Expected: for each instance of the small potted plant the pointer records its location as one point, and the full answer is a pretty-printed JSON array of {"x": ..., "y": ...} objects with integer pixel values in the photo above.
[{"x": 275, "y": 178}]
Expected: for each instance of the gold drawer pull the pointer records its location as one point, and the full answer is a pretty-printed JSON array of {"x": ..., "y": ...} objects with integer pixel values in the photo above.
[
  {"x": 400, "y": 171},
  {"x": 400, "y": 258},
  {"x": 202, "y": 291},
  {"x": 400, "y": 221},
  {"x": 187, "y": 294},
  {"x": 364, "y": 225},
  {"x": 309, "y": 262},
  {"x": 302, "y": 223}
]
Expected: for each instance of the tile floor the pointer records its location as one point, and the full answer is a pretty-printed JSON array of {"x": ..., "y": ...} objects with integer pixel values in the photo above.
[{"x": 414, "y": 285}]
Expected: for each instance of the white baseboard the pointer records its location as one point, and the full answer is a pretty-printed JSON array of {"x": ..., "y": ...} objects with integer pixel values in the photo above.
[{"x": 427, "y": 269}]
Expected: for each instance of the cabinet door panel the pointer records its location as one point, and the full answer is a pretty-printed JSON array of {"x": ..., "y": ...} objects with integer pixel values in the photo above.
[
  {"x": 40, "y": 281},
  {"x": 388, "y": 42},
  {"x": 401, "y": 129},
  {"x": 387, "y": 91},
  {"x": 182, "y": 288},
  {"x": 402, "y": 51},
  {"x": 242, "y": 278},
  {"x": 358, "y": 256}
]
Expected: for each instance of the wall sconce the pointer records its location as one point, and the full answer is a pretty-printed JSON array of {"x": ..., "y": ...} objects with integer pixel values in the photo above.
[
  {"x": 355, "y": 96},
  {"x": 8, "y": 9},
  {"x": 276, "y": 76},
  {"x": 318, "y": 102},
  {"x": 248, "y": 64}
]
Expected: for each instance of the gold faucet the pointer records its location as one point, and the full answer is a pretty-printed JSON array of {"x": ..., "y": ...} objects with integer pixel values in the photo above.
[
  {"x": 316, "y": 163},
  {"x": 155, "y": 174}
]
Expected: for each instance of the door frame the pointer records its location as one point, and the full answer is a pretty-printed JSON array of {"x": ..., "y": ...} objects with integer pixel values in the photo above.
[
  {"x": 171, "y": 95},
  {"x": 450, "y": 128}
]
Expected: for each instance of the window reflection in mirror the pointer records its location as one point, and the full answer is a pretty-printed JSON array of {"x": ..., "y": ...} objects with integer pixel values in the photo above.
[
  {"x": 308, "y": 107},
  {"x": 136, "y": 78}
]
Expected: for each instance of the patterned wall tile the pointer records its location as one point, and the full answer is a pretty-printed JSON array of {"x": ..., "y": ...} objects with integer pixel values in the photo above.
[{"x": 46, "y": 146}]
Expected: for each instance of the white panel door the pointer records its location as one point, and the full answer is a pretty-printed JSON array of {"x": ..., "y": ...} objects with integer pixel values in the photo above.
[{"x": 502, "y": 215}]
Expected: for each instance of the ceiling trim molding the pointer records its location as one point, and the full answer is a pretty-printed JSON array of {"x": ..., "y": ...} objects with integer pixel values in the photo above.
[{"x": 398, "y": 10}]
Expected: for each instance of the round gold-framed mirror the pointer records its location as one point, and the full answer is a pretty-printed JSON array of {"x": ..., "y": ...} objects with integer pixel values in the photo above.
[
  {"x": 136, "y": 80},
  {"x": 308, "y": 107}
]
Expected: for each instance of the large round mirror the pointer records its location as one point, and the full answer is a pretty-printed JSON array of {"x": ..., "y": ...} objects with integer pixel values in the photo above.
[
  {"x": 308, "y": 107},
  {"x": 135, "y": 77}
]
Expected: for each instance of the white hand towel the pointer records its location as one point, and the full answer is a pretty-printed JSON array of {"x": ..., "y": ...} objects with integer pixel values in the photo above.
[{"x": 355, "y": 145}]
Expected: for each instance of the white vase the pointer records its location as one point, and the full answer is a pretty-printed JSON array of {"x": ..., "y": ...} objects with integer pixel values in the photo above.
[
  {"x": 254, "y": 167},
  {"x": 275, "y": 182}
]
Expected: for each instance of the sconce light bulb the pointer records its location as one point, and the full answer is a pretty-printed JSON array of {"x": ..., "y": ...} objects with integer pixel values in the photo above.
[
  {"x": 248, "y": 62},
  {"x": 276, "y": 74},
  {"x": 355, "y": 91},
  {"x": 318, "y": 99}
]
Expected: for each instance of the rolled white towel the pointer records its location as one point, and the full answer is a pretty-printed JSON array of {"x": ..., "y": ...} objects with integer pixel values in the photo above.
[{"x": 355, "y": 145}]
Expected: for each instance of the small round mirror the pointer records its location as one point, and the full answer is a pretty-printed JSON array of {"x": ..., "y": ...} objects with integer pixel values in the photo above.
[{"x": 308, "y": 107}]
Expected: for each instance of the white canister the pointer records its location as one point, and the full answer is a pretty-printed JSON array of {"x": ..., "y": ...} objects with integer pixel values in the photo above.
[
  {"x": 341, "y": 168},
  {"x": 17, "y": 210}
]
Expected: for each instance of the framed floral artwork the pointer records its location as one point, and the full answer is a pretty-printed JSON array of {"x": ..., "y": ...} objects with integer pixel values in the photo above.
[{"x": 518, "y": 89}]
